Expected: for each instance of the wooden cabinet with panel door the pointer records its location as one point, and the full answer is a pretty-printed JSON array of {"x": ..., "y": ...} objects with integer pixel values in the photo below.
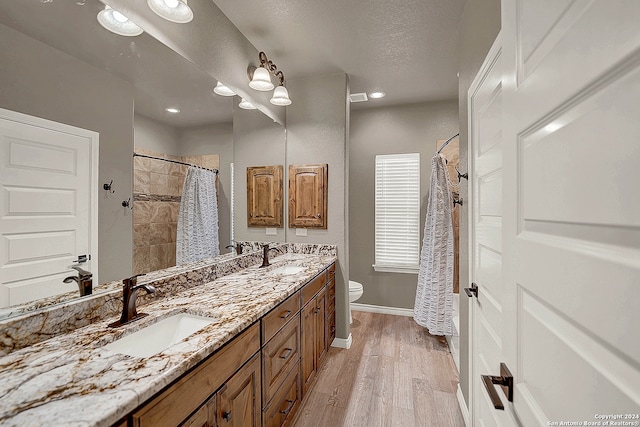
[{"x": 239, "y": 399}]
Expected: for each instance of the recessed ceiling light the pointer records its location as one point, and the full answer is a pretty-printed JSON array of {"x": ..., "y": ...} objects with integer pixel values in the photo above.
[
  {"x": 172, "y": 110},
  {"x": 376, "y": 95}
]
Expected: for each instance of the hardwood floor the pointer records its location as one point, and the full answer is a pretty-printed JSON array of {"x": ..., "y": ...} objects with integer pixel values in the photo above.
[{"x": 394, "y": 374}]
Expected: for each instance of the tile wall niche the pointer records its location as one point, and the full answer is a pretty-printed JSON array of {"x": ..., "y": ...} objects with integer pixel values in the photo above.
[{"x": 157, "y": 190}]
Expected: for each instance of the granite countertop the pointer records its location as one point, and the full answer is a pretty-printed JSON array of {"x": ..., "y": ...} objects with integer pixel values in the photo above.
[{"x": 71, "y": 380}]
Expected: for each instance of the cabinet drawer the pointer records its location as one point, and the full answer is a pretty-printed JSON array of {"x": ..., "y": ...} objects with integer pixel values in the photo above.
[
  {"x": 279, "y": 356},
  {"x": 175, "y": 404},
  {"x": 282, "y": 409},
  {"x": 276, "y": 318},
  {"x": 312, "y": 288},
  {"x": 331, "y": 295}
]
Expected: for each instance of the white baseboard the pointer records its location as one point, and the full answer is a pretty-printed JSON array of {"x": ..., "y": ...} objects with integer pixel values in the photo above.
[
  {"x": 463, "y": 406},
  {"x": 341, "y": 342},
  {"x": 382, "y": 309}
]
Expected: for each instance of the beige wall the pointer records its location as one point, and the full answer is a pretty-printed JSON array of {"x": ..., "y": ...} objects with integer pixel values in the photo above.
[
  {"x": 403, "y": 129},
  {"x": 257, "y": 141},
  {"x": 317, "y": 133},
  {"x": 479, "y": 26},
  {"x": 44, "y": 82}
]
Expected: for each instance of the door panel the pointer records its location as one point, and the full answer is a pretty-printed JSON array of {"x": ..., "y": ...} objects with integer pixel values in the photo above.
[
  {"x": 485, "y": 149},
  {"x": 48, "y": 215},
  {"x": 571, "y": 214}
]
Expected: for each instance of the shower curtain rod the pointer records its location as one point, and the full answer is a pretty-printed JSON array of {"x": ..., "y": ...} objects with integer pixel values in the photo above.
[
  {"x": 446, "y": 142},
  {"x": 174, "y": 161}
]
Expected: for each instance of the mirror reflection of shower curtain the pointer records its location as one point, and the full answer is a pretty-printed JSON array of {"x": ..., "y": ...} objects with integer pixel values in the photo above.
[{"x": 197, "y": 234}]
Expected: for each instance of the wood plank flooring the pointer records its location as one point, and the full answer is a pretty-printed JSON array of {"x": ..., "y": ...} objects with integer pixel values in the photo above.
[{"x": 394, "y": 374}]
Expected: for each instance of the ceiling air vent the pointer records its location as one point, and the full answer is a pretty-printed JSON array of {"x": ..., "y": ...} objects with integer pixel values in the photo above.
[{"x": 358, "y": 97}]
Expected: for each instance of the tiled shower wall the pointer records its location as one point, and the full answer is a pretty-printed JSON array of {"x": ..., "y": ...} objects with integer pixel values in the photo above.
[{"x": 157, "y": 189}]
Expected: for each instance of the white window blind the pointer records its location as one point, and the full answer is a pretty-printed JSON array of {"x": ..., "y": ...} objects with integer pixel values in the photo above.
[{"x": 397, "y": 213}]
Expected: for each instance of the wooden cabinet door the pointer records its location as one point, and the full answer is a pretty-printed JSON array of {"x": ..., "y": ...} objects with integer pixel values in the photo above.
[
  {"x": 239, "y": 399},
  {"x": 308, "y": 196},
  {"x": 321, "y": 326},
  {"x": 205, "y": 416},
  {"x": 264, "y": 196},
  {"x": 308, "y": 345}
]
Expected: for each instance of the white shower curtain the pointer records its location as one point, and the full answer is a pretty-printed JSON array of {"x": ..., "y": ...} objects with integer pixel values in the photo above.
[
  {"x": 197, "y": 236},
  {"x": 434, "y": 296}
]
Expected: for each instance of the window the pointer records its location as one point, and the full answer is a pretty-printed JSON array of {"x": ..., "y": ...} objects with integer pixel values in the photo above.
[{"x": 397, "y": 219}]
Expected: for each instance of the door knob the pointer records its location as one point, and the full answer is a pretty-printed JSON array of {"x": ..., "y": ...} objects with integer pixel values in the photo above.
[
  {"x": 505, "y": 380},
  {"x": 226, "y": 416},
  {"x": 473, "y": 290}
]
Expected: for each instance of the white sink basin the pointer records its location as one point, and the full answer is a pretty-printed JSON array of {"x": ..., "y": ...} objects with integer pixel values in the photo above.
[
  {"x": 287, "y": 270},
  {"x": 161, "y": 335}
]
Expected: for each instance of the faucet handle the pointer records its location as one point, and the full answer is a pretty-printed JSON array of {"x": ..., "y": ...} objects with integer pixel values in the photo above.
[
  {"x": 82, "y": 272},
  {"x": 130, "y": 282}
]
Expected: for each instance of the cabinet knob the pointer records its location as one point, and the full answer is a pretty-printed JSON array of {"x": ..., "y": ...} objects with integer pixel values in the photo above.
[{"x": 226, "y": 416}]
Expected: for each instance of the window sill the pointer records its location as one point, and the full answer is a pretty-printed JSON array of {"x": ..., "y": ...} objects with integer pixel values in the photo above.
[{"x": 391, "y": 269}]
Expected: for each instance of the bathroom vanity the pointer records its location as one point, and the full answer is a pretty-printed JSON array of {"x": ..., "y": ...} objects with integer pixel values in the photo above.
[{"x": 270, "y": 330}]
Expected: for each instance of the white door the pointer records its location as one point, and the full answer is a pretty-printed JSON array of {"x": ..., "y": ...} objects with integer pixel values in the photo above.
[
  {"x": 48, "y": 214},
  {"x": 486, "y": 253},
  {"x": 571, "y": 209}
]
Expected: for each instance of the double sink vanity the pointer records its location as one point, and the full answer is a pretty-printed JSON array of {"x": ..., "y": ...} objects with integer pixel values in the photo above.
[{"x": 226, "y": 343}]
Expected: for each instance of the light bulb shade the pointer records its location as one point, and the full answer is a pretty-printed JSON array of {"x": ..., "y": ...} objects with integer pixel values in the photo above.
[
  {"x": 281, "y": 97},
  {"x": 221, "y": 89},
  {"x": 261, "y": 80},
  {"x": 117, "y": 23},
  {"x": 172, "y": 10},
  {"x": 246, "y": 105}
]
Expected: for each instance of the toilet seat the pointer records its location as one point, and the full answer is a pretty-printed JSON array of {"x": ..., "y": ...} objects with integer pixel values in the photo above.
[{"x": 355, "y": 286}]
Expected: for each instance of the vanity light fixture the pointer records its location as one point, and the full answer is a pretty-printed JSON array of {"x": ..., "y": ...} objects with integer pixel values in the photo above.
[
  {"x": 260, "y": 79},
  {"x": 376, "y": 95},
  {"x": 116, "y": 22},
  {"x": 223, "y": 90},
  {"x": 172, "y": 10},
  {"x": 246, "y": 105}
]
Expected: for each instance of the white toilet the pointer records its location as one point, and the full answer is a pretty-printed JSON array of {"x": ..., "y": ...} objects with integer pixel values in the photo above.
[{"x": 355, "y": 292}]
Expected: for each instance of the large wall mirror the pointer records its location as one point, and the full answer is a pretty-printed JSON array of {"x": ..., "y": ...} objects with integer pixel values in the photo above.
[{"x": 60, "y": 64}]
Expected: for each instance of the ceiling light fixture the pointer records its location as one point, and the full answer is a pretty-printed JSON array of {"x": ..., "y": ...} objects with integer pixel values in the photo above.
[
  {"x": 116, "y": 22},
  {"x": 246, "y": 105},
  {"x": 260, "y": 79},
  {"x": 376, "y": 95},
  {"x": 172, "y": 110},
  {"x": 223, "y": 90},
  {"x": 172, "y": 10}
]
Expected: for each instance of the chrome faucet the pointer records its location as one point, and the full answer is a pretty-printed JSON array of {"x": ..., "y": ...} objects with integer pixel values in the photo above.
[
  {"x": 129, "y": 293},
  {"x": 84, "y": 281}
]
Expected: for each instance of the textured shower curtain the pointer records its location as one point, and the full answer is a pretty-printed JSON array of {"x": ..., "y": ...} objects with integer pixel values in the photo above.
[
  {"x": 197, "y": 236},
  {"x": 434, "y": 295}
]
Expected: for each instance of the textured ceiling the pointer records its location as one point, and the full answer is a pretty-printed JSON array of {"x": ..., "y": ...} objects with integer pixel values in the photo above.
[{"x": 406, "y": 48}]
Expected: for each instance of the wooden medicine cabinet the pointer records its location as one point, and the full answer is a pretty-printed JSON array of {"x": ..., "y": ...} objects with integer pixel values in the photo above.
[
  {"x": 264, "y": 196},
  {"x": 308, "y": 196}
]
